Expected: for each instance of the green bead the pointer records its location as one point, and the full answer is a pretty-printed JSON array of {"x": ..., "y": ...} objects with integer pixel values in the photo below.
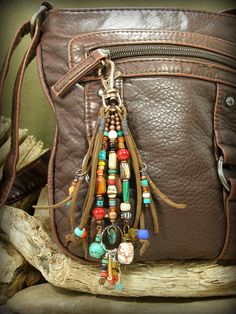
[
  {"x": 120, "y": 133},
  {"x": 146, "y": 200},
  {"x": 68, "y": 204},
  {"x": 105, "y": 133},
  {"x": 144, "y": 182},
  {"x": 102, "y": 155},
  {"x": 112, "y": 171},
  {"x": 125, "y": 187}
]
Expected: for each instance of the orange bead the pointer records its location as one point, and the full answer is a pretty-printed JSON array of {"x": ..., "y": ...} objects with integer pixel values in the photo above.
[
  {"x": 121, "y": 139},
  {"x": 100, "y": 172},
  {"x": 101, "y": 185}
]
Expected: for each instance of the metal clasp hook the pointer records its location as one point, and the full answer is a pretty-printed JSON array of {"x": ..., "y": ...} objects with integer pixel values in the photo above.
[{"x": 110, "y": 95}]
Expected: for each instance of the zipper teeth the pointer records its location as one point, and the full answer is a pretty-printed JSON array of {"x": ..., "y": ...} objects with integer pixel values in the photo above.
[{"x": 119, "y": 52}]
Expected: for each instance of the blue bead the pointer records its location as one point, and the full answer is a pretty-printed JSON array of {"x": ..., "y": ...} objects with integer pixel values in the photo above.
[
  {"x": 146, "y": 200},
  {"x": 102, "y": 155},
  {"x": 78, "y": 232},
  {"x": 143, "y": 234}
]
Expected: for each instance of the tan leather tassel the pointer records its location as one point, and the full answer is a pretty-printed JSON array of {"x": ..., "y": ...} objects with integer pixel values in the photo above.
[
  {"x": 92, "y": 184},
  {"x": 162, "y": 196},
  {"x": 145, "y": 243}
]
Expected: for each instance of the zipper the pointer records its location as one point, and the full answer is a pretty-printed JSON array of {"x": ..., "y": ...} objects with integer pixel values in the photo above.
[
  {"x": 96, "y": 58},
  {"x": 119, "y": 52}
]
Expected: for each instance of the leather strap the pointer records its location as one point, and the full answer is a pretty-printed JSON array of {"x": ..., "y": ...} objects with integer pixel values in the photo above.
[{"x": 9, "y": 170}]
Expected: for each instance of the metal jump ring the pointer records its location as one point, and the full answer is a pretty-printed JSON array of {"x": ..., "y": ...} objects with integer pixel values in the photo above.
[{"x": 144, "y": 167}]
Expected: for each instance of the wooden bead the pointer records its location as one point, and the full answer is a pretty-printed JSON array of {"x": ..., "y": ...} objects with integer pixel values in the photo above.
[{"x": 112, "y": 215}]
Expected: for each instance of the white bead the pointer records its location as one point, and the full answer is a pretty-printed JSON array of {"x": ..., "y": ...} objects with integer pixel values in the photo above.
[
  {"x": 112, "y": 160},
  {"x": 146, "y": 195},
  {"x": 111, "y": 191},
  {"x": 125, "y": 253},
  {"x": 125, "y": 207},
  {"x": 112, "y": 134}
]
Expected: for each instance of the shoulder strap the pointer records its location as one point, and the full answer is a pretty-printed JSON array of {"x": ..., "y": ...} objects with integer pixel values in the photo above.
[{"x": 9, "y": 170}]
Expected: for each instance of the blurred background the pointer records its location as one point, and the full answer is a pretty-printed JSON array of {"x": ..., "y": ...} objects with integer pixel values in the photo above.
[{"x": 36, "y": 114}]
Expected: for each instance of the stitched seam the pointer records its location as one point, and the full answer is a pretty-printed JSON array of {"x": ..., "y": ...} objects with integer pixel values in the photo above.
[
  {"x": 183, "y": 34},
  {"x": 210, "y": 66}
]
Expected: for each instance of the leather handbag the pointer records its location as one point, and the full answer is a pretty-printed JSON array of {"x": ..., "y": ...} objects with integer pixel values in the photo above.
[{"x": 143, "y": 165}]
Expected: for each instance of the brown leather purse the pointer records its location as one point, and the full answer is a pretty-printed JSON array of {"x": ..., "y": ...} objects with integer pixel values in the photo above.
[{"x": 144, "y": 100}]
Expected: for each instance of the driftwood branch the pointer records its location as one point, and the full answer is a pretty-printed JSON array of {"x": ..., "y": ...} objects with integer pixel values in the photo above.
[{"x": 30, "y": 236}]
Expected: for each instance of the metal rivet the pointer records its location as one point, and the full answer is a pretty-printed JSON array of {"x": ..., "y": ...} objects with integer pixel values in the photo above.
[{"x": 229, "y": 101}]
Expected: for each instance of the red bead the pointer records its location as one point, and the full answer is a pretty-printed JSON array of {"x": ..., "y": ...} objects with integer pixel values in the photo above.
[
  {"x": 114, "y": 280},
  {"x": 84, "y": 235},
  {"x": 111, "y": 182},
  {"x": 123, "y": 154},
  {"x": 98, "y": 213}
]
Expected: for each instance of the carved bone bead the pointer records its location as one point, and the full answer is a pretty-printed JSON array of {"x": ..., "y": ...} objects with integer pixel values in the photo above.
[{"x": 125, "y": 253}]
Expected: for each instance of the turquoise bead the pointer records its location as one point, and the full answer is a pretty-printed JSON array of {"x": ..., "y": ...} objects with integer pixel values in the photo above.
[
  {"x": 104, "y": 261},
  {"x": 96, "y": 249},
  {"x": 112, "y": 202},
  {"x": 146, "y": 200},
  {"x": 105, "y": 133},
  {"x": 102, "y": 155},
  {"x": 120, "y": 133},
  {"x": 78, "y": 232},
  {"x": 68, "y": 204},
  {"x": 125, "y": 188},
  {"x": 99, "y": 203},
  {"x": 144, "y": 182},
  {"x": 119, "y": 286}
]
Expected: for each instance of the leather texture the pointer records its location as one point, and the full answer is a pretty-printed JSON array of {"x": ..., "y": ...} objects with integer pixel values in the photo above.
[
  {"x": 177, "y": 114},
  {"x": 171, "y": 104}
]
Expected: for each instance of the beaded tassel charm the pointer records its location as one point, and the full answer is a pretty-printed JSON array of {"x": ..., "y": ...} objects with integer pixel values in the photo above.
[{"x": 111, "y": 154}]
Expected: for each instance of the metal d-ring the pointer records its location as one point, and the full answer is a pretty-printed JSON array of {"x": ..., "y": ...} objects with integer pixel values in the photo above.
[
  {"x": 221, "y": 173},
  {"x": 43, "y": 8}
]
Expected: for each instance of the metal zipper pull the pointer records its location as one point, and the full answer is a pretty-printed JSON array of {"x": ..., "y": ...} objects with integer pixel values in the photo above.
[{"x": 88, "y": 64}]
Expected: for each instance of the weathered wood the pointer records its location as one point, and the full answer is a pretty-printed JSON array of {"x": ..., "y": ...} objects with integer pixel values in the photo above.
[
  {"x": 167, "y": 278},
  {"x": 15, "y": 272}
]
